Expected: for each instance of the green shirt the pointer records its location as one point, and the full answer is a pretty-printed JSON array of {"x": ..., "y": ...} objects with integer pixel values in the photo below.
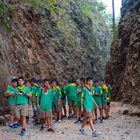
[
  {"x": 79, "y": 87},
  {"x": 21, "y": 98},
  {"x": 46, "y": 100},
  {"x": 71, "y": 92},
  {"x": 63, "y": 92},
  {"x": 56, "y": 94},
  {"x": 87, "y": 98},
  {"x": 11, "y": 99},
  {"x": 34, "y": 91}
]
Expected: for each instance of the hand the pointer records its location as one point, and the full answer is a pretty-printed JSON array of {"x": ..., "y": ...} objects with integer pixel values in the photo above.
[
  {"x": 82, "y": 109},
  {"x": 10, "y": 93}
]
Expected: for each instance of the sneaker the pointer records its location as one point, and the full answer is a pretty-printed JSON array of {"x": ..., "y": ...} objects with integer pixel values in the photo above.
[
  {"x": 23, "y": 132},
  {"x": 13, "y": 126},
  {"x": 95, "y": 134},
  {"x": 95, "y": 121},
  {"x": 77, "y": 121},
  {"x": 82, "y": 131},
  {"x": 101, "y": 120}
]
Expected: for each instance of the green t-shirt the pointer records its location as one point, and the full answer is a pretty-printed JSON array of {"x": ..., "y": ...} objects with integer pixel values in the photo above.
[
  {"x": 22, "y": 99},
  {"x": 79, "y": 87},
  {"x": 56, "y": 93},
  {"x": 63, "y": 93},
  {"x": 98, "y": 99},
  {"x": 71, "y": 92},
  {"x": 46, "y": 100},
  {"x": 87, "y": 99},
  {"x": 34, "y": 91},
  {"x": 11, "y": 99},
  {"x": 105, "y": 91}
]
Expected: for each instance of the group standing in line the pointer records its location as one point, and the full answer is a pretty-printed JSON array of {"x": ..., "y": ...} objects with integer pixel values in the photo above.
[{"x": 52, "y": 102}]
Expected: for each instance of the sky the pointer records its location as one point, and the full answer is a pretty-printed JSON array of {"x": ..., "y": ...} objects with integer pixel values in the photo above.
[{"x": 108, "y": 3}]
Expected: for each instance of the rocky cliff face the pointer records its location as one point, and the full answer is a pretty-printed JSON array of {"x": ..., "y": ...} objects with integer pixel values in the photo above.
[
  {"x": 123, "y": 68},
  {"x": 46, "y": 44}
]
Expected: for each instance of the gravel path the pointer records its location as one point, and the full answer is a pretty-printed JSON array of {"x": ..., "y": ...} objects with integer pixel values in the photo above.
[{"x": 118, "y": 127}]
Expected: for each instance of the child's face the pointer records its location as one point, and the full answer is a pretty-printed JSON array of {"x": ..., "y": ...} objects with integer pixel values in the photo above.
[
  {"x": 90, "y": 82},
  {"x": 77, "y": 81},
  {"x": 54, "y": 84},
  {"x": 20, "y": 82},
  {"x": 14, "y": 84},
  {"x": 96, "y": 83},
  {"x": 46, "y": 83}
]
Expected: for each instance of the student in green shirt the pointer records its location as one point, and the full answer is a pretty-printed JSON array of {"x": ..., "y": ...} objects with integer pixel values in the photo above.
[
  {"x": 57, "y": 104},
  {"x": 22, "y": 95},
  {"x": 34, "y": 90},
  {"x": 78, "y": 102},
  {"x": 87, "y": 105},
  {"x": 104, "y": 97},
  {"x": 108, "y": 98},
  {"x": 44, "y": 101},
  {"x": 63, "y": 98},
  {"x": 72, "y": 97},
  {"x": 10, "y": 94},
  {"x": 98, "y": 99}
]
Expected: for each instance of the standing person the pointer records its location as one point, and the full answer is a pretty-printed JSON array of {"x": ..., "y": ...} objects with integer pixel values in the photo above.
[
  {"x": 98, "y": 99},
  {"x": 87, "y": 105},
  {"x": 44, "y": 101},
  {"x": 78, "y": 102},
  {"x": 63, "y": 98},
  {"x": 57, "y": 105},
  {"x": 23, "y": 93},
  {"x": 104, "y": 95},
  {"x": 108, "y": 98},
  {"x": 11, "y": 94},
  {"x": 72, "y": 97},
  {"x": 34, "y": 90}
]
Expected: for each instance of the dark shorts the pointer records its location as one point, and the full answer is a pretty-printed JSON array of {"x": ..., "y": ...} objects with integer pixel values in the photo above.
[
  {"x": 72, "y": 103},
  {"x": 56, "y": 107}
]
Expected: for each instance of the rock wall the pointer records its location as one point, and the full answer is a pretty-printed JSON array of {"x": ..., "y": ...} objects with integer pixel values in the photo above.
[
  {"x": 123, "y": 68},
  {"x": 41, "y": 44}
]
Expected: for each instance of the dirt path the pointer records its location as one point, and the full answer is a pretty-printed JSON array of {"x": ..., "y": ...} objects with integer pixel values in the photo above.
[{"x": 118, "y": 127}]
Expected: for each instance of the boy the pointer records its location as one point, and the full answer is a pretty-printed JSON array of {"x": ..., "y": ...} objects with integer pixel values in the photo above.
[
  {"x": 22, "y": 102},
  {"x": 78, "y": 103},
  {"x": 72, "y": 97},
  {"x": 10, "y": 94},
  {"x": 97, "y": 97},
  {"x": 44, "y": 102},
  {"x": 57, "y": 101},
  {"x": 87, "y": 105},
  {"x": 104, "y": 95}
]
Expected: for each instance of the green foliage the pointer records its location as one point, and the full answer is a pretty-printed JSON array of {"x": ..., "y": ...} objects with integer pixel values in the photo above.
[
  {"x": 40, "y": 5},
  {"x": 5, "y": 10}
]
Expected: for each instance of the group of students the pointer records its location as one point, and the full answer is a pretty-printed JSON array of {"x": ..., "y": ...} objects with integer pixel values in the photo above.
[{"x": 51, "y": 102}]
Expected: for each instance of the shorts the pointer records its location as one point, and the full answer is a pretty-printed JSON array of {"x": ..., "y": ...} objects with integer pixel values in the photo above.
[
  {"x": 88, "y": 113},
  {"x": 12, "y": 108},
  {"x": 104, "y": 105},
  {"x": 22, "y": 110},
  {"x": 72, "y": 103},
  {"x": 56, "y": 107},
  {"x": 45, "y": 113}
]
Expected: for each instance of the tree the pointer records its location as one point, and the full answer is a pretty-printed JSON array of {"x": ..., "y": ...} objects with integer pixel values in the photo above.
[{"x": 113, "y": 19}]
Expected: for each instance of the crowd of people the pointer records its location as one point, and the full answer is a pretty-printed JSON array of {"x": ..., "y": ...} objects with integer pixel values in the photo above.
[{"x": 48, "y": 101}]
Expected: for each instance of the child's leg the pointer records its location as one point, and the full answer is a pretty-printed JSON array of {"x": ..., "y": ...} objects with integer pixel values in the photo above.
[
  {"x": 91, "y": 124},
  {"x": 101, "y": 111},
  {"x": 84, "y": 122},
  {"x": 95, "y": 112},
  {"x": 23, "y": 122}
]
